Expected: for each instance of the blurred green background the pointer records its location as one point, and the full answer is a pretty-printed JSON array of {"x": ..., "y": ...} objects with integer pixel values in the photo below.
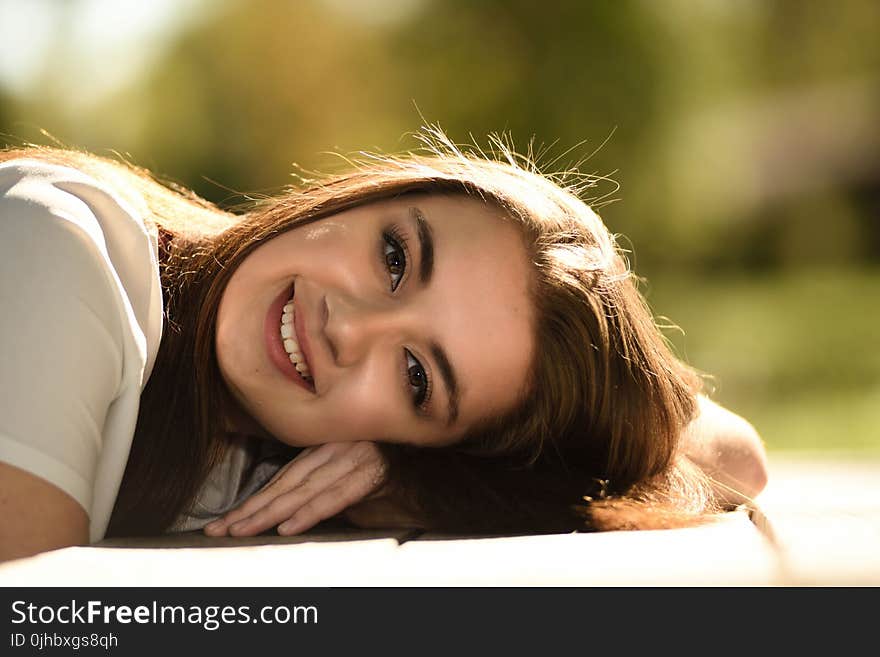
[{"x": 743, "y": 134}]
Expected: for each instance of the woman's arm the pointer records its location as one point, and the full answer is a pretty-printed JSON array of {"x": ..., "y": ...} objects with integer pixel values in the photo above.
[
  {"x": 728, "y": 449},
  {"x": 62, "y": 351},
  {"x": 36, "y": 516}
]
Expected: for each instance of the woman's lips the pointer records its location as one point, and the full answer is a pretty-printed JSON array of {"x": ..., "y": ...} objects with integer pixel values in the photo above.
[{"x": 274, "y": 348}]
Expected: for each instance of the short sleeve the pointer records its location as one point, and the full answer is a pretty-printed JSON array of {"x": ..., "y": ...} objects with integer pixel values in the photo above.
[{"x": 61, "y": 355}]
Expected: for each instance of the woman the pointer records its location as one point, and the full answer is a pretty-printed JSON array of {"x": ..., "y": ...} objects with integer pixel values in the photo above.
[{"x": 443, "y": 340}]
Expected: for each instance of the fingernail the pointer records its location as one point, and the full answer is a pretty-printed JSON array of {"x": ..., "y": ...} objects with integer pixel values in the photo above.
[{"x": 286, "y": 528}]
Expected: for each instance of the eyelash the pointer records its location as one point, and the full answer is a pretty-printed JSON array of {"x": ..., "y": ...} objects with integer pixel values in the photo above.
[
  {"x": 394, "y": 238},
  {"x": 420, "y": 400}
]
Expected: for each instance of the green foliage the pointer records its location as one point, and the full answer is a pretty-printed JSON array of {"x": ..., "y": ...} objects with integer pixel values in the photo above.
[{"x": 794, "y": 352}]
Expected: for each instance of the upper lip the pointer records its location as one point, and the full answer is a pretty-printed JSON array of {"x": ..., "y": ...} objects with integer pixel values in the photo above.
[{"x": 302, "y": 334}]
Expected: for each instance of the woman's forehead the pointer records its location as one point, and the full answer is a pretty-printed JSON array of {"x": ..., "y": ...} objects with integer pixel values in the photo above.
[{"x": 481, "y": 307}]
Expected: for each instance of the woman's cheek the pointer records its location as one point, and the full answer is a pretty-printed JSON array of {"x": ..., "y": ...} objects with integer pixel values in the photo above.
[{"x": 367, "y": 414}]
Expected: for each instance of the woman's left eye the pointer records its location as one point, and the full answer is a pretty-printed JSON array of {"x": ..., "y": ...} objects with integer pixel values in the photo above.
[
  {"x": 418, "y": 381},
  {"x": 394, "y": 256}
]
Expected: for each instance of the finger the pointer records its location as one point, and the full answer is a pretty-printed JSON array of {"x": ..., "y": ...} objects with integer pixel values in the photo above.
[
  {"x": 351, "y": 457},
  {"x": 329, "y": 502},
  {"x": 297, "y": 469},
  {"x": 219, "y": 526},
  {"x": 290, "y": 478},
  {"x": 284, "y": 505}
]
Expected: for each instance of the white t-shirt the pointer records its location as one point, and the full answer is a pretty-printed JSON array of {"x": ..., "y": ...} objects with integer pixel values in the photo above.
[{"x": 80, "y": 324}]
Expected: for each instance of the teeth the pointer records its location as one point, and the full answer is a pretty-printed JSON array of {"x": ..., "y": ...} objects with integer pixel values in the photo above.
[
  {"x": 302, "y": 369},
  {"x": 291, "y": 346}
]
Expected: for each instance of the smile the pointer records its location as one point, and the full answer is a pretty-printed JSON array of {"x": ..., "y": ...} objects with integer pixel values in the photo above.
[
  {"x": 290, "y": 341},
  {"x": 286, "y": 342}
]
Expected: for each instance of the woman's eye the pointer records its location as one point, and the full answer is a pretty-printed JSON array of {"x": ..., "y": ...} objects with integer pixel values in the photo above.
[
  {"x": 394, "y": 256},
  {"x": 417, "y": 379}
]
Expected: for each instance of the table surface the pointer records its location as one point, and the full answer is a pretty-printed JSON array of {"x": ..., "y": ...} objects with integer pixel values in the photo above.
[{"x": 818, "y": 525}]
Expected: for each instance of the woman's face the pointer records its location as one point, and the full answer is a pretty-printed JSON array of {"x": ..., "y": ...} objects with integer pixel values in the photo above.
[{"x": 412, "y": 316}]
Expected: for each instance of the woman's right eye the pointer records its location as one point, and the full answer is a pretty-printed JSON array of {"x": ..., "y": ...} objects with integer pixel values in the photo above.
[{"x": 394, "y": 256}]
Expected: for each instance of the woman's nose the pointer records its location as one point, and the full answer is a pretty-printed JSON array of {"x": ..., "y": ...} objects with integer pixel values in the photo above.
[{"x": 353, "y": 326}]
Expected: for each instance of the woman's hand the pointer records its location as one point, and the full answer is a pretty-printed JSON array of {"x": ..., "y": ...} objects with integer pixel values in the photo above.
[{"x": 319, "y": 483}]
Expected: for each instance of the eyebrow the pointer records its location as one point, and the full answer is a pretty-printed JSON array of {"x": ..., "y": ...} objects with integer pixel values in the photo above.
[
  {"x": 426, "y": 270},
  {"x": 426, "y": 246},
  {"x": 449, "y": 378}
]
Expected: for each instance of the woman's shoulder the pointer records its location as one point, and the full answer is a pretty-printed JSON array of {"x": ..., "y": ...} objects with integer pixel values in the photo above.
[
  {"x": 40, "y": 181},
  {"x": 48, "y": 193},
  {"x": 39, "y": 168},
  {"x": 45, "y": 203},
  {"x": 63, "y": 222},
  {"x": 53, "y": 236}
]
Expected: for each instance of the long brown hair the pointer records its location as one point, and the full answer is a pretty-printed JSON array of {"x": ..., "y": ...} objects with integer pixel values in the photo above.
[{"x": 594, "y": 443}]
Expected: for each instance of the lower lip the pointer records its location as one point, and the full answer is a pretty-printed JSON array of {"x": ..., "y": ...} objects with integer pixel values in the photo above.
[{"x": 272, "y": 333}]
